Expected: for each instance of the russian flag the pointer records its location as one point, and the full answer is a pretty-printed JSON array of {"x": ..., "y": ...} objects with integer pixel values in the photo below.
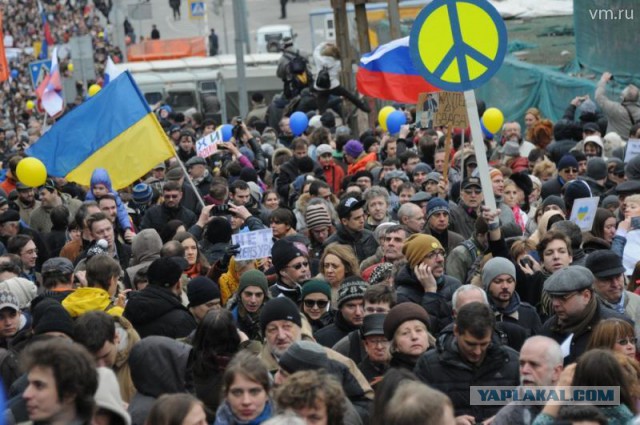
[
  {"x": 46, "y": 30},
  {"x": 388, "y": 73},
  {"x": 49, "y": 89},
  {"x": 110, "y": 71}
]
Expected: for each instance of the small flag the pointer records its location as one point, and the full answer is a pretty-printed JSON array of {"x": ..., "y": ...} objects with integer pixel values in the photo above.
[
  {"x": 49, "y": 90},
  {"x": 110, "y": 71},
  {"x": 46, "y": 30},
  {"x": 4, "y": 66}
]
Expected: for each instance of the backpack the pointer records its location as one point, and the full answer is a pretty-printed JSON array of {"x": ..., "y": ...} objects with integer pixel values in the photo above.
[
  {"x": 323, "y": 81},
  {"x": 297, "y": 65},
  {"x": 477, "y": 260}
]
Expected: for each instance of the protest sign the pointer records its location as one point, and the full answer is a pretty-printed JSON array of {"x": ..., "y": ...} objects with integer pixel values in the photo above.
[
  {"x": 633, "y": 149},
  {"x": 451, "y": 111},
  {"x": 208, "y": 145},
  {"x": 254, "y": 245},
  {"x": 584, "y": 212}
]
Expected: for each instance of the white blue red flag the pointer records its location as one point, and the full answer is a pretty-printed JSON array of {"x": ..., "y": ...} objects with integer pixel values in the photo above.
[
  {"x": 50, "y": 89},
  {"x": 388, "y": 73},
  {"x": 46, "y": 31},
  {"x": 110, "y": 71}
]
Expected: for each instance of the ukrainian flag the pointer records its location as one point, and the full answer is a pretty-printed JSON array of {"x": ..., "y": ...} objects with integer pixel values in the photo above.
[{"x": 115, "y": 130}]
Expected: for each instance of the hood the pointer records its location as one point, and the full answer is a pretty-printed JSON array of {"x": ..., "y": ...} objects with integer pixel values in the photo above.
[
  {"x": 24, "y": 290},
  {"x": 128, "y": 338},
  {"x": 83, "y": 300},
  {"x": 150, "y": 304},
  {"x": 542, "y": 225},
  {"x": 101, "y": 176},
  {"x": 159, "y": 366},
  {"x": 108, "y": 395},
  {"x": 146, "y": 246}
]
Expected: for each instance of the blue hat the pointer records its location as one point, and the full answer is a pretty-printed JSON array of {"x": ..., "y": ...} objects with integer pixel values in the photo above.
[
  {"x": 142, "y": 193},
  {"x": 567, "y": 161},
  {"x": 435, "y": 205}
]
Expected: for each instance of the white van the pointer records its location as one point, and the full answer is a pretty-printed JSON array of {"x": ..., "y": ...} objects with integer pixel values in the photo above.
[{"x": 269, "y": 37}]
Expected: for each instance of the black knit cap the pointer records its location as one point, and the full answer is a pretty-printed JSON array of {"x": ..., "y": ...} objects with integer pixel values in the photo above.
[
  {"x": 165, "y": 272},
  {"x": 50, "y": 316},
  {"x": 281, "y": 308},
  {"x": 201, "y": 290},
  {"x": 282, "y": 252},
  {"x": 304, "y": 355}
]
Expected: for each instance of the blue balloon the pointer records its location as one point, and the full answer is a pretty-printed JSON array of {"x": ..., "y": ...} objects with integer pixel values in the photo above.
[
  {"x": 14, "y": 73},
  {"x": 395, "y": 120},
  {"x": 227, "y": 132},
  {"x": 487, "y": 134},
  {"x": 298, "y": 122}
]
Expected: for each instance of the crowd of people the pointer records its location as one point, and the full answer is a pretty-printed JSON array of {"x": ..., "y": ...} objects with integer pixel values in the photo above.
[{"x": 389, "y": 290}]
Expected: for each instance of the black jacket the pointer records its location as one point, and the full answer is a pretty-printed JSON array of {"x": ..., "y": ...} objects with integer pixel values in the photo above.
[
  {"x": 579, "y": 342},
  {"x": 364, "y": 244},
  {"x": 437, "y": 304},
  {"x": 289, "y": 171},
  {"x": 157, "y": 311},
  {"x": 521, "y": 314},
  {"x": 552, "y": 186},
  {"x": 158, "y": 216},
  {"x": 444, "y": 369},
  {"x": 330, "y": 335}
]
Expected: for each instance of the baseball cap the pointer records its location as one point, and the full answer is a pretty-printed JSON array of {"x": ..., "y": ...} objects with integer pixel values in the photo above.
[{"x": 347, "y": 205}]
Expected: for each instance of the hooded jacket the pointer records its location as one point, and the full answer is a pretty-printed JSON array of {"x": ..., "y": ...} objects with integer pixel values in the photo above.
[
  {"x": 445, "y": 370},
  {"x": 83, "y": 300},
  {"x": 108, "y": 395},
  {"x": 128, "y": 338},
  {"x": 101, "y": 176},
  {"x": 364, "y": 244},
  {"x": 157, "y": 311},
  {"x": 158, "y": 366},
  {"x": 145, "y": 248}
]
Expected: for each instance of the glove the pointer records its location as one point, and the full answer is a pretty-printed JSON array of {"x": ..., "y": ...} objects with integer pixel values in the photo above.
[{"x": 228, "y": 253}]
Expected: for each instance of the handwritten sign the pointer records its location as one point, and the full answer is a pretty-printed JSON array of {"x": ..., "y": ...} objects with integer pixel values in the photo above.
[
  {"x": 254, "y": 245},
  {"x": 631, "y": 251},
  {"x": 208, "y": 145},
  {"x": 584, "y": 212},
  {"x": 633, "y": 149},
  {"x": 451, "y": 111}
]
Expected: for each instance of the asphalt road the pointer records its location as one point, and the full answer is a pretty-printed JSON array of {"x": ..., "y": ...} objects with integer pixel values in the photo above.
[{"x": 259, "y": 13}]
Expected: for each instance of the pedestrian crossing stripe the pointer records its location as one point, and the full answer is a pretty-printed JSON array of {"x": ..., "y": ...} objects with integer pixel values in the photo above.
[{"x": 197, "y": 9}]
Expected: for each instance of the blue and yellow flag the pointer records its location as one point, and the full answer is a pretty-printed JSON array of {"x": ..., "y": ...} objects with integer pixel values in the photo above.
[{"x": 115, "y": 130}]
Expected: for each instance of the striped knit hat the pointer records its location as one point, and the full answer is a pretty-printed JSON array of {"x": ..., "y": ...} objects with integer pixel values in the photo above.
[{"x": 317, "y": 216}]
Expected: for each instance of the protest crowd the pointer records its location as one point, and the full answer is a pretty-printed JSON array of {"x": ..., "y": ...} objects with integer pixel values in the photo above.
[{"x": 313, "y": 275}]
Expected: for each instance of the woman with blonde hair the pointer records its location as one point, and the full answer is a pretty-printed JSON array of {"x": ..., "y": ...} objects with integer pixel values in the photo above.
[
  {"x": 406, "y": 327},
  {"x": 337, "y": 263}
]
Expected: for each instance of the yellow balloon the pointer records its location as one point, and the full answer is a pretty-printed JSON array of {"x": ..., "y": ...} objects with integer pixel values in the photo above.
[
  {"x": 31, "y": 171},
  {"x": 30, "y": 105},
  {"x": 493, "y": 120},
  {"x": 70, "y": 67},
  {"x": 94, "y": 89},
  {"x": 382, "y": 116}
]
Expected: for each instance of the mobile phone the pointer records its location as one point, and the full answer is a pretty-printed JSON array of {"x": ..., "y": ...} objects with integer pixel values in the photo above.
[
  {"x": 219, "y": 210},
  {"x": 526, "y": 262}
]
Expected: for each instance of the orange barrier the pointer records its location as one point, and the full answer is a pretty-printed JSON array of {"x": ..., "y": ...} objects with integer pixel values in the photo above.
[{"x": 177, "y": 48}]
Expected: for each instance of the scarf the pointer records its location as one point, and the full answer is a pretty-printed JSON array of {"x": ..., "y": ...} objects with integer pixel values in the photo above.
[
  {"x": 225, "y": 416},
  {"x": 193, "y": 271},
  {"x": 442, "y": 237},
  {"x": 577, "y": 325},
  {"x": 617, "y": 307},
  {"x": 517, "y": 213},
  {"x": 510, "y": 309}
]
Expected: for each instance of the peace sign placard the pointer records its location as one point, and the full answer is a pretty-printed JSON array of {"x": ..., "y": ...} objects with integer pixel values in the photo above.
[{"x": 458, "y": 45}]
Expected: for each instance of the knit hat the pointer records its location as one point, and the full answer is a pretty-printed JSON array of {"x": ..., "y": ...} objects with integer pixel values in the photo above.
[
  {"x": 419, "y": 246},
  {"x": 373, "y": 324},
  {"x": 567, "y": 161},
  {"x": 8, "y": 300},
  {"x": 253, "y": 278},
  {"x": 353, "y": 148},
  {"x": 576, "y": 189},
  {"x": 381, "y": 272},
  {"x": 323, "y": 149},
  {"x": 282, "y": 252},
  {"x": 554, "y": 200},
  {"x": 23, "y": 289},
  {"x": 632, "y": 169},
  {"x": 315, "y": 286},
  {"x": 351, "y": 288},
  {"x": 304, "y": 355},
  {"x": 403, "y": 313},
  {"x": 362, "y": 173},
  {"x": 494, "y": 268},
  {"x": 9, "y": 216},
  {"x": 201, "y": 290},
  {"x": 174, "y": 174},
  {"x": 317, "y": 216},
  {"x": 611, "y": 201},
  {"x": 50, "y": 316},
  {"x": 280, "y": 308},
  {"x": 99, "y": 247},
  {"x": 108, "y": 395},
  {"x": 165, "y": 272},
  {"x": 597, "y": 168},
  {"x": 436, "y": 205},
  {"x": 142, "y": 193},
  {"x": 421, "y": 167}
]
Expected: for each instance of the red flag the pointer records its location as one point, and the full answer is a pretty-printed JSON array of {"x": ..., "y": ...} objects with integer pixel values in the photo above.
[{"x": 4, "y": 67}]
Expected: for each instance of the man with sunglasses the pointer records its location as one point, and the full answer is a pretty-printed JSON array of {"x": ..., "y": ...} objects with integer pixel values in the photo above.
[
  {"x": 576, "y": 310},
  {"x": 567, "y": 171},
  {"x": 157, "y": 216},
  {"x": 291, "y": 263},
  {"x": 464, "y": 214},
  {"x": 609, "y": 284}
]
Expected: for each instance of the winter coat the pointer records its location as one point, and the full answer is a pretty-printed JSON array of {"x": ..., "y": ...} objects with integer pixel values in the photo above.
[
  {"x": 289, "y": 172},
  {"x": 444, "y": 369},
  {"x": 559, "y": 148},
  {"x": 83, "y": 300},
  {"x": 519, "y": 313},
  {"x": 461, "y": 221},
  {"x": 438, "y": 304},
  {"x": 145, "y": 248},
  {"x": 158, "y": 311},
  {"x": 361, "y": 163},
  {"x": 330, "y": 335},
  {"x": 158, "y": 366},
  {"x": 460, "y": 260},
  {"x": 553, "y": 186},
  {"x": 453, "y": 239},
  {"x": 41, "y": 220},
  {"x": 158, "y": 216},
  {"x": 334, "y": 174},
  {"x": 364, "y": 244},
  {"x": 332, "y": 64},
  {"x": 617, "y": 116},
  {"x": 101, "y": 176}
]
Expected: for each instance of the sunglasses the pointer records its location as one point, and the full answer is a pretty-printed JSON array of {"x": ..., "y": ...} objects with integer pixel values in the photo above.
[
  {"x": 318, "y": 303},
  {"x": 626, "y": 341},
  {"x": 473, "y": 191},
  {"x": 300, "y": 265}
]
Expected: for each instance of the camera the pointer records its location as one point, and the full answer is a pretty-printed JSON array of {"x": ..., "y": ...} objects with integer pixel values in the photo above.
[{"x": 219, "y": 210}]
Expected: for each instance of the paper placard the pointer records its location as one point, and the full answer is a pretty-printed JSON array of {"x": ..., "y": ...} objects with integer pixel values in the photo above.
[
  {"x": 631, "y": 251},
  {"x": 208, "y": 145},
  {"x": 584, "y": 212},
  {"x": 633, "y": 149},
  {"x": 451, "y": 111},
  {"x": 254, "y": 245}
]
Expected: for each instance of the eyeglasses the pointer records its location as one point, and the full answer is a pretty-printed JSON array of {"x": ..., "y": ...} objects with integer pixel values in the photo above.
[
  {"x": 564, "y": 298},
  {"x": 299, "y": 265},
  {"x": 378, "y": 341},
  {"x": 435, "y": 253},
  {"x": 473, "y": 191},
  {"x": 625, "y": 341},
  {"x": 318, "y": 303}
]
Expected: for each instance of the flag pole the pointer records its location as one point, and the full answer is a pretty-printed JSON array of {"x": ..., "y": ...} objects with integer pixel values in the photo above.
[{"x": 186, "y": 176}]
